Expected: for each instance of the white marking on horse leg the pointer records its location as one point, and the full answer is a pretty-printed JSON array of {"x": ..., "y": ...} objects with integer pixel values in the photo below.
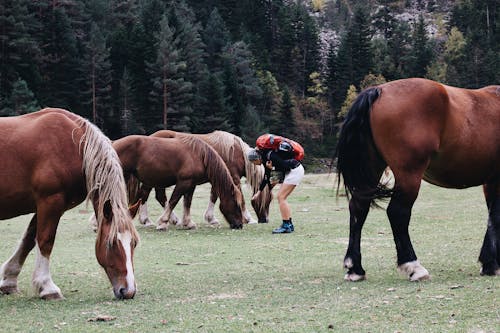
[
  {"x": 414, "y": 271},
  {"x": 187, "y": 223},
  {"x": 143, "y": 215},
  {"x": 353, "y": 277},
  {"x": 164, "y": 219},
  {"x": 125, "y": 239},
  {"x": 42, "y": 281},
  {"x": 209, "y": 214},
  {"x": 248, "y": 217},
  {"x": 174, "y": 219},
  {"x": 9, "y": 272}
]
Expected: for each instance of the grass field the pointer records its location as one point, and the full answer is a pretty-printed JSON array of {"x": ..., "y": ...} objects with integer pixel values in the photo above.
[{"x": 220, "y": 280}]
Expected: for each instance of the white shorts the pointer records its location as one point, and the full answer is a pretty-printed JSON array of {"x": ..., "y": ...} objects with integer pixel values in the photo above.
[{"x": 294, "y": 176}]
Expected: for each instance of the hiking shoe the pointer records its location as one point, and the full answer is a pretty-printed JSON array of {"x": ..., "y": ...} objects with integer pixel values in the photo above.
[{"x": 286, "y": 228}]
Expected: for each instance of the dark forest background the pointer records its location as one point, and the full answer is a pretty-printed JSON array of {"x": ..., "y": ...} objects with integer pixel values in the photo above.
[{"x": 243, "y": 66}]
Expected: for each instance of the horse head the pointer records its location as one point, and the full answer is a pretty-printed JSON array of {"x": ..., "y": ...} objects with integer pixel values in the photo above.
[
  {"x": 230, "y": 206},
  {"x": 261, "y": 205},
  {"x": 114, "y": 251}
]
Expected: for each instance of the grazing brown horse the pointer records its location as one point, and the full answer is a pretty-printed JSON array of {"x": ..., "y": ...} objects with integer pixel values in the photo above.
[
  {"x": 51, "y": 161},
  {"x": 233, "y": 151},
  {"x": 421, "y": 129},
  {"x": 184, "y": 162}
]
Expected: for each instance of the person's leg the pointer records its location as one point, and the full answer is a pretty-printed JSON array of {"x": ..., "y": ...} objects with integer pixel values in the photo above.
[
  {"x": 283, "y": 193},
  {"x": 286, "y": 214}
]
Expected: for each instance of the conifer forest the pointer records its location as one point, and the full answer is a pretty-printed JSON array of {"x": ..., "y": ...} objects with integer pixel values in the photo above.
[{"x": 290, "y": 67}]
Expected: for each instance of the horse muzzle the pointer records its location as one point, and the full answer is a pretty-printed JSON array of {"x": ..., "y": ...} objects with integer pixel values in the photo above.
[{"x": 122, "y": 292}]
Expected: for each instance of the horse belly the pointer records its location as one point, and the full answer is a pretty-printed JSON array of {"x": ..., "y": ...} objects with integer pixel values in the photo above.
[
  {"x": 458, "y": 175},
  {"x": 15, "y": 204}
]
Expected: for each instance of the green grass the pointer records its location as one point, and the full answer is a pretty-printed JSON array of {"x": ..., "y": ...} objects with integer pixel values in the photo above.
[{"x": 220, "y": 280}]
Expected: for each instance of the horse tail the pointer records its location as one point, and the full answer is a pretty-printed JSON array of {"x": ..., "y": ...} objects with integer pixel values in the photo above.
[
  {"x": 358, "y": 161},
  {"x": 133, "y": 186},
  {"x": 104, "y": 180}
]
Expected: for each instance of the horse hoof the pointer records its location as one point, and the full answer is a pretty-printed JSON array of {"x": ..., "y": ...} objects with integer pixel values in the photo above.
[
  {"x": 353, "y": 277},
  {"x": 7, "y": 290},
  {"x": 190, "y": 226},
  {"x": 484, "y": 272},
  {"x": 414, "y": 271},
  {"x": 162, "y": 227},
  {"x": 146, "y": 222},
  {"x": 52, "y": 297}
]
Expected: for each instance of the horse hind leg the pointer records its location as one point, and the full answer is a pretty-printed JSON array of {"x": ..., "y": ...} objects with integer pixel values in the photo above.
[
  {"x": 10, "y": 270},
  {"x": 359, "y": 207},
  {"x": 166, "y": 218},
  {"x": 490, "y": 251},
  {"x": 143, "y": 208},
  {"x": 399, "y": 213},
  {"x": 187, "y": 223}
]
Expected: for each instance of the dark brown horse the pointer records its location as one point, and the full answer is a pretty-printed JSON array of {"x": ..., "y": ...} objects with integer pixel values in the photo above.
[
  {"x": 233, "y": 151},
  {"x": 51, "y": 161},
  {"x": 184, "y": 162},
  {"x": 421, "y": 129}
]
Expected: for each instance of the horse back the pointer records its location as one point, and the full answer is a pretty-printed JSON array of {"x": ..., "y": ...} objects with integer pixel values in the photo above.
[
  {"x": 40, "y": 158},
  {"x": 450, "y": 135}
]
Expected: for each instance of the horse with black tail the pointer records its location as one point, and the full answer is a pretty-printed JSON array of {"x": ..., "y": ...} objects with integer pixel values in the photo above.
[{"x": 420, "y": 129}]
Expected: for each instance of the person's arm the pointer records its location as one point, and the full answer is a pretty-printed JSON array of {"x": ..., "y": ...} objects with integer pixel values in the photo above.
[{"x": 265, "y": 181}]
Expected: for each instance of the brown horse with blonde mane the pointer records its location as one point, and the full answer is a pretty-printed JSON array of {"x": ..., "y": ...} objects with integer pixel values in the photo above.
[
  {"x": 421, "y": 129},
  {"x": 233, "y": 151},
  {"x": 51, "y": 161},
  {"x": 184, "y": 162}
]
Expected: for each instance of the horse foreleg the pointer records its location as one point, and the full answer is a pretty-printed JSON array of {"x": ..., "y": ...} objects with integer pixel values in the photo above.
[
  {"x": 358, "y": 209},
  {"x": 209, "y": 215},
  {"x": 165, "y": 218},
  {"x": 490, "y": 251},
  {"x": 49, "y": 212},
  {"x": 10, "y": 270},
  {"x": 399, "y": 213},
  {"x": 187, "y": 223},
  {"x": 161, "y": 197}
]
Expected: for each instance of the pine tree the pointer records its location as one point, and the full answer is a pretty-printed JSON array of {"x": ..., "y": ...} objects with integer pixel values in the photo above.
[
  {"x": 19, "y": 51},
  {"x": 98, "y": 77},
  {"x": 286, "y": 120},
  {"x": 170, "y": 90},
  {"x": 421, "y": 53},
  {"x": 22, "y": 99},
  {"x": 216, "y": 113},
  {"x": 61, "y": 58}
]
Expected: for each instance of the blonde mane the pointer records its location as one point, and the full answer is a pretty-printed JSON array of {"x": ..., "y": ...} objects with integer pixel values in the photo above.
[
  {"x": 217, "y": 171},
  {"x": 253, "y": 173},
  {"x": 104, "y": 180}
]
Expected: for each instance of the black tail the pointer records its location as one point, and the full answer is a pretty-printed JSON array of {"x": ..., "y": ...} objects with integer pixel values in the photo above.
[{"x": 358, "y": 161}]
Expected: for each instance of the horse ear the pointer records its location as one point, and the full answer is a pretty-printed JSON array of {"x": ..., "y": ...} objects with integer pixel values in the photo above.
[{"x": 107, "y": 210}]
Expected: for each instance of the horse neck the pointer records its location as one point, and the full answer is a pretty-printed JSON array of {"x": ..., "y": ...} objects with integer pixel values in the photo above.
[
  {"x": 104, "y": 180},
  {"x": 218, "y": 174}
]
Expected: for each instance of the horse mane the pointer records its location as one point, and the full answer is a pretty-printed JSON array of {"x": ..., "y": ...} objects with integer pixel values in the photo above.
[
  {"x": 217, "y": 171},
  {"x": 104, "y": 180},
  {"x": 253, "y": 173}
]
